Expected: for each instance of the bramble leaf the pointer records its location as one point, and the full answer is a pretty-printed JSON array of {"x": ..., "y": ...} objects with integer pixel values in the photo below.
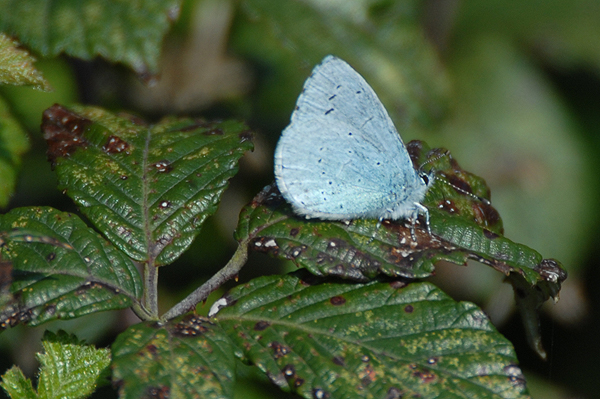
[
  {"x": 356, "y": 249},
  {"x": 58, "y": 268},
  {"x": 148, "y": 189},
  {"x": 69, "y": 369},
  {"x": 16, "y": 385},
  {"x": 188, "y": 357},
  {"x": 324, "y": 338}
]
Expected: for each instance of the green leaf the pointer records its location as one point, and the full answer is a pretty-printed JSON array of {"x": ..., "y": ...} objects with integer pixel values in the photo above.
[
  {"x": 69, "y": 368},
  {"x": 148, "y": 189},
  {"x": 188, "y": 357},
  {"x": 381, "y": 339},
  {"x": 13, "y": 144},
  {"x": 356, "y": 249},
  {"x": 61, "y": 269},
  {"x": 120, "y": 31},
  {"x": 16, "y": 385},
  {"x": 16, "y": 66}
]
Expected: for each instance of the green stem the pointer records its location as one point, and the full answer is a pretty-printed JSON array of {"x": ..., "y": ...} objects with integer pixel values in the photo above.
[
  {"x": 141, "y": 312},
  {"x": 231, "y": 269},
  {"x": 151, "y": 287}
]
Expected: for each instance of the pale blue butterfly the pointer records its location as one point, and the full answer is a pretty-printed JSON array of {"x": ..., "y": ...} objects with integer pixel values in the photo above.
[{"x": 341, "y": 157}]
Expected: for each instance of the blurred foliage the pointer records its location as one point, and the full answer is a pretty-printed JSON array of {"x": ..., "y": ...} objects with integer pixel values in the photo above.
[
  {"x": 13, "y": 143},
  {"x": 128, "y": 32},
  {"x": 16, "y": 66},
  {"x": 512, "y": 88}
]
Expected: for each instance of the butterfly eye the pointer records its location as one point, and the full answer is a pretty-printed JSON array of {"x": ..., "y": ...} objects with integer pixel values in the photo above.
[{"x": 425, "y": 179}]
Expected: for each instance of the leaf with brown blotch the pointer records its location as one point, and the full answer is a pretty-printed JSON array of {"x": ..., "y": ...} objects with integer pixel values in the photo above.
[{"x": 147, "y": 188}]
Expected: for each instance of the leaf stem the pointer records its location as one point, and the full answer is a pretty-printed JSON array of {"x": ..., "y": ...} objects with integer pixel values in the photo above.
[
  {"x": 151, "y": 286},
  {"x": 228, "y": 272},
  {"x": 141, "y": 312}
]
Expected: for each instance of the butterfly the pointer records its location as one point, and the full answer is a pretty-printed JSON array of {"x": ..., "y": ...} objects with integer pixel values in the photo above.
[{"x": 341, "y": 157}]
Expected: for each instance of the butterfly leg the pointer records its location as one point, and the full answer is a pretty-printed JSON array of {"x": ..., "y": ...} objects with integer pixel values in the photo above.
[
  {"x": 419, "y": 208},
  {"x": 425, "y": 212},
  {"x": 413, "y": 220}
]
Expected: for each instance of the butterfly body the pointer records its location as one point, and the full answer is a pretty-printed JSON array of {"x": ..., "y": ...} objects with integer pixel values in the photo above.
[{"x": 341, "y": 157}]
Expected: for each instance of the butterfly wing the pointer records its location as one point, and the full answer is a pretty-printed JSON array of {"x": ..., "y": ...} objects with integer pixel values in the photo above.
[{"x": 341, "y": 156}]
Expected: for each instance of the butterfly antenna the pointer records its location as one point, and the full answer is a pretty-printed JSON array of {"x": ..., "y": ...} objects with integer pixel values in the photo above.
[
  {"x": 443, "y": 180},
  {"x": 430, "y": 160},
  {"x": 463, "y": 191}
]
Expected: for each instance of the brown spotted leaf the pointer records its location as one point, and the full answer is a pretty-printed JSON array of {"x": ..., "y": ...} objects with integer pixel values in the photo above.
[
  {"x": 464, "y": 226},
  {"x": 55, "y": 267},
  {"x": 334, "y": 339},
  {"x": 188, "y": 357},
  {"x": 147, "y": 188},
  {"x": 355, "y": 249}
]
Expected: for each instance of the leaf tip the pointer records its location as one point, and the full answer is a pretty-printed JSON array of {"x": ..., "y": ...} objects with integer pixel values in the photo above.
[{"x": 63, "y": 131}]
